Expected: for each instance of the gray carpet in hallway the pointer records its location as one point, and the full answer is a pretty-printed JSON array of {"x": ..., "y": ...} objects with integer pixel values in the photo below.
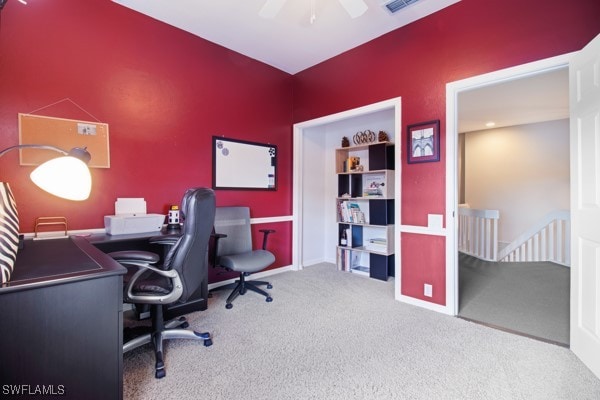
[{"x": 530, "y": 298}]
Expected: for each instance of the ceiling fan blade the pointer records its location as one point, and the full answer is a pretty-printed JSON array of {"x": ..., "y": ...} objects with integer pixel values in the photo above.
[
  {"x": 271, "y": 8},
  {"x": 355, "y": 8}
]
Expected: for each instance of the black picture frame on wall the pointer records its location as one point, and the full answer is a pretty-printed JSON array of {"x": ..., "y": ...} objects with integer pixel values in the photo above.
[{"x": 423, "y": 142}]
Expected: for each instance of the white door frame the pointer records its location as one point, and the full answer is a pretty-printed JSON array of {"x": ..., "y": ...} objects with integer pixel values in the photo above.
[{"x": 452, "y": 91}]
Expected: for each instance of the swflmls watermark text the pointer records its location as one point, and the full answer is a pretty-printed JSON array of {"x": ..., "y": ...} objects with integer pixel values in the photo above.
[{"x": 33, "y": 390}]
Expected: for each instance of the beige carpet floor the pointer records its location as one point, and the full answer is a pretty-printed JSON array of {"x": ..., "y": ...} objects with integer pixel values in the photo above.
[{"x": 334, "y": 335}]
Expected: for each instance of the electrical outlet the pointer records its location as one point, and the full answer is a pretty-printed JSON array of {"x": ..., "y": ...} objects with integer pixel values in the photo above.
[{"x": 428, "y": 290}]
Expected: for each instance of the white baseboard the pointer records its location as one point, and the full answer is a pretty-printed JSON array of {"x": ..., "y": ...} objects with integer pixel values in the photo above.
[
  {"x": 308, "y": 263},
  {"x": 425, "y": 304}
]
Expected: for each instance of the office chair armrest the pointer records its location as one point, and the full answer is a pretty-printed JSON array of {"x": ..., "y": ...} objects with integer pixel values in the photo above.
[
  {"x": 266, "y": 233},
  {"x": 135, "y": 256},
  {"x": 142, "y": 260},
  {"x": 169, "y": 240},
  {"x": 155, "y": 299}
]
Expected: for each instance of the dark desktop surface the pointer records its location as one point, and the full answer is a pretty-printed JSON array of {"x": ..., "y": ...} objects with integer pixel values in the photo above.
[
  {"x": 62, "y": 322},
  {"x": 53, "y": 261},
  {"x": 132, "y": 241}
]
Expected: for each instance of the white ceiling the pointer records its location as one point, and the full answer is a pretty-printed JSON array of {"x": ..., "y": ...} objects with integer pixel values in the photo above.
[
  {"x": 289, "y": 41},
  {"x": 537, "y": 98}
]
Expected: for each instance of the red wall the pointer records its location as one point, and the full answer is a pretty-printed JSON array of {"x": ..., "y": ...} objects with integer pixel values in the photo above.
[
  {"x": 416, "y": 62},
  {"x": 164, "y": 94}
]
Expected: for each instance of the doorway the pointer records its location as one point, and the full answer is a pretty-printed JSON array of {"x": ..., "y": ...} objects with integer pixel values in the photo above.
[
  {"x": 453, "y": 91},
  {"x": 519, "y": 169}
]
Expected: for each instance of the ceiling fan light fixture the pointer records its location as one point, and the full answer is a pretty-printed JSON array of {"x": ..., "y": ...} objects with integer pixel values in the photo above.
[
  {"x": 271, "y": 8},
  {"x": 354, "y": 8}
]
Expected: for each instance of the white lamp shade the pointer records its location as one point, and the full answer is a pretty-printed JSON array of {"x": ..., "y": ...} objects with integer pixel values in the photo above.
[{"x": 66, "y": 177}]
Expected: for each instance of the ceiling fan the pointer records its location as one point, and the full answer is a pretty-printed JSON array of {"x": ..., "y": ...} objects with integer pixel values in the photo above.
[{"x": 355, "y": 8}]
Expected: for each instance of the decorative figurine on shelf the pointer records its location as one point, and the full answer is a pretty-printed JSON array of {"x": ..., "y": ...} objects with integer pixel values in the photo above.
[
  {"x": 345, "y": 142},
  {"x": 173, "y": 218},
  {"x": 382, "y": 136},
  {"x": 344, "y": 238},
  {"x": 364, "y": 137},
  {"x": 352, "y": 163}
]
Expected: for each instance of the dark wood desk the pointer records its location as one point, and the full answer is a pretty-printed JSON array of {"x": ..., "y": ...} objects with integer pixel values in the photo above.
[
  {"x": 198, "y": 301},
  {"x": 61, "y": 322}
]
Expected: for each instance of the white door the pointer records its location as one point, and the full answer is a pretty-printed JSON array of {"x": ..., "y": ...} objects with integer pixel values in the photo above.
[{"x": 584, "y": 71}]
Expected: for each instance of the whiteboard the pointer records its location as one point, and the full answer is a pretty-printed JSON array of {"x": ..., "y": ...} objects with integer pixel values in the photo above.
[{"x": 239, "y": 164}]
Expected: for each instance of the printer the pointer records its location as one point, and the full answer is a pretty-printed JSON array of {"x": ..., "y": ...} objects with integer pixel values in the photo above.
[{"x": 130, "y": 217}]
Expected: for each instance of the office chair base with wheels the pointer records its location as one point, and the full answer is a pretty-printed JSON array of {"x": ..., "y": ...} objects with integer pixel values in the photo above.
[
  {"x": 161, "y": 331},
  {"x": 242, "y": 286}
]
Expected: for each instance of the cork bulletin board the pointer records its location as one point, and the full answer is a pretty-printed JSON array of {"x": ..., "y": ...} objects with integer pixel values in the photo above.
[{"x": 65, "y": 134}]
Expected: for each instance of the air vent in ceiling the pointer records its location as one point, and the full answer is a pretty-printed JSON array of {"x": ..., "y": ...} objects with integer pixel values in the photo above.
[{"x": 394, "y": 6}]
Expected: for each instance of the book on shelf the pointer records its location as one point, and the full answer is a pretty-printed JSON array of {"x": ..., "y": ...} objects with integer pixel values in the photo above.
[
  {"x": 350, "y": 261},
  {"x": 356, "y": 216},
  {"x": 350, "y": 212},
  {"x": 342, "y": 211},
  {"x": 377, "y": 244},
  {"x": 357, "y": 265},
  {"x": 343, "y": 260}
]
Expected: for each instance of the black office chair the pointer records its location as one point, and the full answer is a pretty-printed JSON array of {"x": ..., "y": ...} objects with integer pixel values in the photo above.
[
  {"x": 232, "y": 250},
  {"x": 181, "y": 273}
]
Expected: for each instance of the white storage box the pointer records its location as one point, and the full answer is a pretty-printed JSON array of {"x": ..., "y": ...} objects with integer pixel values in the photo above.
[{"x": 130, "y": 217}]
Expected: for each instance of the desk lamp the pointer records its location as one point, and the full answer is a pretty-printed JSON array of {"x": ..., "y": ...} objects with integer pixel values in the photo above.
[{"x": 67, "y": 177}]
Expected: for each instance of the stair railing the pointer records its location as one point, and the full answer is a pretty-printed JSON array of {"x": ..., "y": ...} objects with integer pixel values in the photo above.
[
  {"x": 548, "y": 240},
  {"x": 478, "y": 232}
]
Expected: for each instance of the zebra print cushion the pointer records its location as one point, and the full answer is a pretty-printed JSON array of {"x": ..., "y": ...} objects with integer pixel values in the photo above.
[{"x": 9, "y": 231}]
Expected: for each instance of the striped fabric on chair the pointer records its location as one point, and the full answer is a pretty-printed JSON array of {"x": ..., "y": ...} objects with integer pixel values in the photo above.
[{"x": 9, "y": 231}]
